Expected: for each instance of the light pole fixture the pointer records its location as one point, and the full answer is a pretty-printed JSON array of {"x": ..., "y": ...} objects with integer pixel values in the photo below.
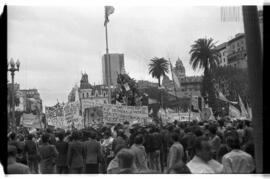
[{"x": 13, "y": 67}]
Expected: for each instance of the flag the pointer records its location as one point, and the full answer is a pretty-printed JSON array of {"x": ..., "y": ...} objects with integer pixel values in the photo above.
[
  {"x": 234, "y": 112},
  {"x": 108, "y": 10},
  {"x": 223, "y": 98},
  {"x": 244, "y": 112},
  {"x": 249, "y": 112},
  {"x": 126, "y": 86},
  {"x": 175, "y": 79}
]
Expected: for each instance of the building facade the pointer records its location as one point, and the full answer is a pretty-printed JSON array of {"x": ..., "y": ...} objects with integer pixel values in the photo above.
[
  {"x": 222, "y": 49},
  {"x": 189, "y": 85},
  {"x": 112, "y": 65},
  {"x": 142, "y": 84}
]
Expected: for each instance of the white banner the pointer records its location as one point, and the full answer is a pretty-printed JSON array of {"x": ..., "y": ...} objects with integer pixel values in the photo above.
[
  {"x": 89, "y": 103},
  {"x": 31, "y": 121},
  {"x": 119, "y": 114}
]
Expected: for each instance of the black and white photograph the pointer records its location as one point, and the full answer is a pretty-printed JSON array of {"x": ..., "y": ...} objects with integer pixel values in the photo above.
[{"x": 111, "y": 88}]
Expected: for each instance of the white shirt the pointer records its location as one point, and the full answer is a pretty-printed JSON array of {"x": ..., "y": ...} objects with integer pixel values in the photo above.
[
  {"x": 238, "y": 161},
  {"x": 197, "y": 165}
]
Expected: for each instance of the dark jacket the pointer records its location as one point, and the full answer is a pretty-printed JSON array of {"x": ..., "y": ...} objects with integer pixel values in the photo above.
[
  {"x": 75, "y": 154},
  {"x": 92, "y": 151},
  {"x": 48, "y": 155},
  {"x": 30, "y": 148},
  {"x": 62, "y": 148}
]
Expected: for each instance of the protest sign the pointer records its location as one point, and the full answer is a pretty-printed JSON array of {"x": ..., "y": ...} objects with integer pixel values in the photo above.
[
  {"x": 93, "y": 115},
  {"x": 88, "y": 103},
  {"x": 119, "y": 114},
  {"x": 31, "y": 121}
]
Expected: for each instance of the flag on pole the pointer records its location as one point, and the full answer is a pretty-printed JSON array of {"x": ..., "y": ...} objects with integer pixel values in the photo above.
[
  {"x": 234, "y": 112},
  {"x": 175, "y": 79},
  {"x": 223, "y": 98},
  {"x": 244, "y": 112},
  {"x": 249, "y": 112},
  {"x": 108, "y": 10}
]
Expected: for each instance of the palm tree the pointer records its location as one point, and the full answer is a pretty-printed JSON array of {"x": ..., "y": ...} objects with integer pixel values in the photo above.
[
  {"x": 158, "y": 68},
  {"x": 204, "y": 55}
]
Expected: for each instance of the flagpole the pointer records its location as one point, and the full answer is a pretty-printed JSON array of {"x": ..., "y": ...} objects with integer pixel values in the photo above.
[
  {"x": 175, "y": 90},
  {"x": 109, "y": 62}
]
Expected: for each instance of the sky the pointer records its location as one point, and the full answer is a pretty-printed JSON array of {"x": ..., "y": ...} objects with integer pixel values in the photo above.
[{"x": 56, "y": 43}]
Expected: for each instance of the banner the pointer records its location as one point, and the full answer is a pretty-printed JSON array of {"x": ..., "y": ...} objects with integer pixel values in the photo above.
[
  {"x": 55, "y": 117},
  {"x": 71, "y": 112},
  {"x": 234, "y": 112},
  {"x": 119, "y": 114},
  {"x": 89, "y": 103},
  {"x": 93, "y": 115},
  {"x": 31, "y": 121}
]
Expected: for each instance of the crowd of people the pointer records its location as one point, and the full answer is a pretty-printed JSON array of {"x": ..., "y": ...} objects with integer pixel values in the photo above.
[{"x": 218, "y": 146}]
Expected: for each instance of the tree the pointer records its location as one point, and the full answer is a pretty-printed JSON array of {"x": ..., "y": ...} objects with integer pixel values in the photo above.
[
  {"x": 158, "y": 67},
  {"x": 204, "y": 55}
]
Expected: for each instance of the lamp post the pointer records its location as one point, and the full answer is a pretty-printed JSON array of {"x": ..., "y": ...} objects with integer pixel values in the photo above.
[{"x": 12, "y": 70}]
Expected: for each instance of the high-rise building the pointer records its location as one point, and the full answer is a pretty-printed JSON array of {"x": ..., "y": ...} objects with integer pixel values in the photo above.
[{"x": 112, "y": 65}]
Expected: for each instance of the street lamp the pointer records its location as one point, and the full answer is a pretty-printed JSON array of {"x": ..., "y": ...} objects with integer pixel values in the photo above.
[{"x": 12, "y": 70}]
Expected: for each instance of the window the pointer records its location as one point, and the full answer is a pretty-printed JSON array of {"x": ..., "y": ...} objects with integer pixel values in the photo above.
[
  {"x": 83, "y": 95},
  {"x": 223, "y": 59},
  {"x": 87, "y": 95},
  {"x": 223, "y": 53}
]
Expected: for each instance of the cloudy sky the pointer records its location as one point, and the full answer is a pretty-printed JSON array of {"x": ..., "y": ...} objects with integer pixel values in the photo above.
[{"x": 54, "y": 44}]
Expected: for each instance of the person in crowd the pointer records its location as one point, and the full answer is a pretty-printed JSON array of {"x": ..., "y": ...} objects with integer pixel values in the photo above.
[
  {"x": 223, "y": 149},
  {"x": 21, "y": 157},
  {"x": 248, "y": 132},
  {"x": 155, "y": 146},
  {"x": 179, "y": 168},
  {"x": 176, "y": 152},
  {"x": 126, "y": 162},
  {"x": 92, "y": 154},
  {"x": 202, "y": 162},
  {"x": 61, "y": 161},
  {"x": 240, "y": 131},
  {"x": 113, "y": 166},
  {"x": 14, "y": 167},
  {"x": 107, "y": 147},
  {"x": 48, "y": 156},
  {"x": 140, "y": 157},
  {"x": 31, "y": 151},
  {"x": 215, "y": 140},
  {"x": 188, "y": 142},
  {"x": 75, "y": 155},
  {"x": 120, "y": 139},
  {"x": 237, "y": 161}
]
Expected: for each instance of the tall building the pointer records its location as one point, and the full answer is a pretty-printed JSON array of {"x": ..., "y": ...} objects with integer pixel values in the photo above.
[
  {"x": 189, "y": 85},
  {"x": 222, "y": 49},
  {"x": 112, "y": 65},
  {"x": 233, "y": 52}
]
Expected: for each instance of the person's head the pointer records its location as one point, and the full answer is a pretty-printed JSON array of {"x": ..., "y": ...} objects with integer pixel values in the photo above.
[
  {"x": 12, "y": 136},
  {"x": 75, "y": 135},
  {"x": 30, "y": 136},
  {"x": 92, "y": 135},
  {"x": 240, "y": 125},
  {"x": 179, "y": 168},
  {"x": 202, "y": 148},
  {"x": 247, "y": 123},
  {"x": 198, "y": 132},
  {"x": 138, "y": 139},
  {"x": 125, "y": 158},
  {"x": 61, "y": 136},
  {"x": 45, "y": 138},
  {"x": 21, "y": 138},
  {"x": 212, "y": 129},
  {"x": 175, "y": 137},
  {"x": 12, "y": 151},
  {"x": 233, "y": 142}
]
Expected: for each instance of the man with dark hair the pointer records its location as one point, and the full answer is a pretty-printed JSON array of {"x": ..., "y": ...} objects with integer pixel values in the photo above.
[
  {"x": 202, "y": 162},
  {"x": 48, "y": 155},
  {"x": 62, "y": 148},
  {"x": 140, "y": 156},
  {"x": 14, "y": 167},
  {"x": 176, "y": 152},
  {"x": 215, "y": 140},
  {"x": 126, "y": 161},
  {"x": 237, "y": 161},
  {"x": 92, "y": 154},
  {"x": 75, "y": 155},
  {"x": 31, "y": 154}
]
